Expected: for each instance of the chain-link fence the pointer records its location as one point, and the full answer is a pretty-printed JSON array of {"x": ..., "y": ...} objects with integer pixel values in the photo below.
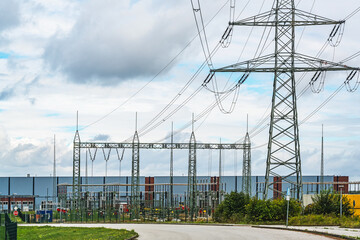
[{"x": 8, "y": 229}]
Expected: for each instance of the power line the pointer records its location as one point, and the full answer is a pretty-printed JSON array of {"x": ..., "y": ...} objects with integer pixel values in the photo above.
[{"x": 156, "y": 75}]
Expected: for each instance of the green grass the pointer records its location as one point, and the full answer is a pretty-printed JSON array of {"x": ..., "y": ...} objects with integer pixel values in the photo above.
[
  {"x": 68, "y": 233},
  {"x": 325, "y": 220}
]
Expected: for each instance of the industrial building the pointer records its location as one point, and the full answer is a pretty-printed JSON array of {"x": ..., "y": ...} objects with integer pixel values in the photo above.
[{"x": 31, "y": 193}]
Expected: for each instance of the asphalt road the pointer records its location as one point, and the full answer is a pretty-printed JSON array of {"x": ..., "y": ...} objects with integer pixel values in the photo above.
[{"x": 201, "y": 232}]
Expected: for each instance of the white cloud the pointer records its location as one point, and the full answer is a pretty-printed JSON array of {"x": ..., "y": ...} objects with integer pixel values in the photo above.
[
  {"x": 9, "y": 14},
  {"x": 116, "y": 40}
]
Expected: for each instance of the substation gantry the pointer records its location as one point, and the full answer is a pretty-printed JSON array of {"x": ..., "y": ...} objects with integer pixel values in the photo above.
[
  {"x": 283, "y": 154},
  {"x": 192, "y": 146}
]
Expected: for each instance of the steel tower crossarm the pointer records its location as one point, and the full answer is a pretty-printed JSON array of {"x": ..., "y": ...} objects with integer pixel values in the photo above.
[
  {"x": 302, "y": 63},
  {"x": 299, "y": 18}
]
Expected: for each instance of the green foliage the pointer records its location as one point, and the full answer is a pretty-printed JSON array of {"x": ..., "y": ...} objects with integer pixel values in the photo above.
[
  {"x": 328, "y": 202},
  {"x": 238, "y": 207},
  {"x": 350, "y": 222},
  {"x": 325, "y": 220},
  {"x": 314, "y": 220},
  {"x": 47, "y": 232},
  {"x": 271, "y": 210},
  {"x": 232, "y": 209}
]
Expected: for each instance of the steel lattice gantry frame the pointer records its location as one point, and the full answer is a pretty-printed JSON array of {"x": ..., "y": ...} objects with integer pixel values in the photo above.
[
  {"x": 283, "y": 157},
  {"x": 136, "y": 146}
]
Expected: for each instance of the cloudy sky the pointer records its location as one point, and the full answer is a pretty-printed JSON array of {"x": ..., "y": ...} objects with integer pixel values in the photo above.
[{"x": 109, "y": 59}]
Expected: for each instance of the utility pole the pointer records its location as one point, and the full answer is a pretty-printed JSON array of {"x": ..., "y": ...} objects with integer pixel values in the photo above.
[
  {"x": 283, "y": 154},
  {"x": 246, "y": 174}
]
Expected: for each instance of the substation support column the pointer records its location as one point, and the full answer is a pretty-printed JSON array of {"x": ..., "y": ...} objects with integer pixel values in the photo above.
[
  {"x": 76, "y": 172},
  {"x": 246, "y": 179},
  {"x": 172, "y": 168},
  {"x": 135, "y": 178},
  {"x": 192, "y": 176}
]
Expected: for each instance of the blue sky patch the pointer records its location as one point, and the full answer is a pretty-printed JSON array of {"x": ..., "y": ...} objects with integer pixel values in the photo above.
[
  {"x": 70, "y": 128},
  {"x": 52, "y": 115},
  {"x": 4, "y": 55}
]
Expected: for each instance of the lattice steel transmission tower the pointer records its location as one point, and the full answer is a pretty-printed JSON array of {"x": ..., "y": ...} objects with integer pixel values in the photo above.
[
  {"x": 246, "y": 174},
  {"x": 192, "y": 174},
  {"x": 283, "y": 156}
]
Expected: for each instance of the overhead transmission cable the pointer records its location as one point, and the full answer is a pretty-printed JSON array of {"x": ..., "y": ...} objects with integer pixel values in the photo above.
[
  {"x": 264, "y": 119},
  {"x": 208, "y": 60},
  {"x": 321, "y": 84},
  {"x": 329, "y": 98},
  {"x": 205, "y": 47},
  {"x": 352, "y": 14},
  {"x": 144, "y": 129},
  {"x": 156, "y": 75},
  {"x": 206, "y": 111},
  {"x": 235, "y": 88}
]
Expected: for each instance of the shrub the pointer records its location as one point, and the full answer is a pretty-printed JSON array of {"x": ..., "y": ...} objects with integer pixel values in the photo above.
[
  {"x": 271, "y": 210},
  {"x": 328, "y": 202},
  {"x": 232, "y": 209},
  {"x": 238, "y": 207}
]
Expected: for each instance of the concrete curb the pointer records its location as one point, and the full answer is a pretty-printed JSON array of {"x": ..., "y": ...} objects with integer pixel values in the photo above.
[
  {"x": 133, "y": 237},
  {"x": 308, "y": 231}
]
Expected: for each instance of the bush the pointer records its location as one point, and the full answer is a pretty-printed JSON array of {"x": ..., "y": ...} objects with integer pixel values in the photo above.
[
  {"x": 238, "y": 207},
  {"x": 328, "y": 202},
  {"x": 271, "y": 210},
  {"x": 232, "y": 209}
]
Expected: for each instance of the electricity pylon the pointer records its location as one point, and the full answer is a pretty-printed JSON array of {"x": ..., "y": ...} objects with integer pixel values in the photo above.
[{"x": 283, "y": 156}]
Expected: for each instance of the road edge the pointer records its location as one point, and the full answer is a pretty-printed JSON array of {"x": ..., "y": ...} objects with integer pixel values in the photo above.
[{"x": 307, "y": 231}]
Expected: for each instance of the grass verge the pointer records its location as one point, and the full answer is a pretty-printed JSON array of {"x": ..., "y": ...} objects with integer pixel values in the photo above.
[
  {"x": 68, "y": 233},
  {"x": 325, "y": 220}
]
